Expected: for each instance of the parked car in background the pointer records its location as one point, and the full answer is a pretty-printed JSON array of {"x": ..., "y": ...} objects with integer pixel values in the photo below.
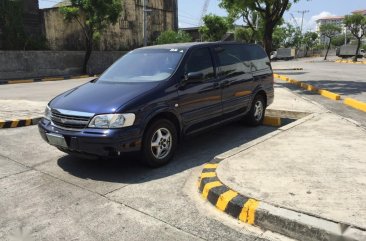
[
  {"x": 153, "y": 97},
  {"x": 348, "y": 51},
  {"x": 284, "y": 54}
]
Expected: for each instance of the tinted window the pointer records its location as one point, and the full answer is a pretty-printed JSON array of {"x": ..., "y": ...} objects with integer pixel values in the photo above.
[
  {"x": 232, "y": 59},
  {"x": 200, "y": 61},
  {"x": 144, "y": 65},
  {"x": 255, "y": 52}
]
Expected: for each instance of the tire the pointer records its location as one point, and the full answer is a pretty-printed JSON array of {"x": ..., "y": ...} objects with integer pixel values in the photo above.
[
  {"x": 159, "y": 143},
  {"x": 257, "y": 111}
]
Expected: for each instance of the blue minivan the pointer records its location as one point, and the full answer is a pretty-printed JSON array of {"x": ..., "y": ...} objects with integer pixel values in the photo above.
[{"x": 153, "y": 97}]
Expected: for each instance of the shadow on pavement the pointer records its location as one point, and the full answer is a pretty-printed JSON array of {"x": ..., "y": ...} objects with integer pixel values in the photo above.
[
  {"x": 341, "y": 87},
  {"x": 191, "y": 153}
]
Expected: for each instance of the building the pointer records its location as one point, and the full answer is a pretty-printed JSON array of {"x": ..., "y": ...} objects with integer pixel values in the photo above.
[
  {"x": 31, "y": 18},
  {"x": 125, "y": 35},
  {"x": 337, "y": 20}
]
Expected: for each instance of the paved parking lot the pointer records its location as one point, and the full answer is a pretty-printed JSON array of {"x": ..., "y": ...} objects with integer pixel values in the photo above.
[
  {"x": 53, "y": 196},
  {"x": 346, "y": 79}
]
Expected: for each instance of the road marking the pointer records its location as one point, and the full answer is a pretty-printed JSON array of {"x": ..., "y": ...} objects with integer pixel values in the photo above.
[
  {"x": 209, "y": 186},
  {"x": 224, "y": 199}
]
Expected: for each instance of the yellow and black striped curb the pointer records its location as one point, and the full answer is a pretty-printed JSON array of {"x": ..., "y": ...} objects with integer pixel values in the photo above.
[
  {"x": 252, "y": 211},
  {"x": 358, "y": 105},
  {"x": 349, "y": 62},
  {"x": 288, "y": 69},
  {"x": 225, "y": 199},
  {"x": 5, "y": 82},
  {"x": 4, "y": 124}
]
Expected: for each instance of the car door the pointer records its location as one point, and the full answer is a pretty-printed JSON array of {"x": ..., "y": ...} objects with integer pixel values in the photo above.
[
  {"x": 199, "y": 92},
  {"x": 236, "y": 79}
]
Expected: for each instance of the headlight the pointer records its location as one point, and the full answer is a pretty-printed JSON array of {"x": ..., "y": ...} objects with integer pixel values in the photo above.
[
  {"x": 112, "y": 121},
  {"x": 47, "y": 113}
]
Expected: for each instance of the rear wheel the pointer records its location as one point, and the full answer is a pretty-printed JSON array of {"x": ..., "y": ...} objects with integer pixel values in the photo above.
[
  {"x": 257, "y": 111},
  {"x": 159, "y": 143}
]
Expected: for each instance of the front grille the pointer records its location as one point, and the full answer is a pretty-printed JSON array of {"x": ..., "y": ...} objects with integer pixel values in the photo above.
[{"x": 69, "y": 121}]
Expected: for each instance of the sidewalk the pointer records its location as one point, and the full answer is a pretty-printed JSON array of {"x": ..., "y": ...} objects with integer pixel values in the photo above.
[
  {"x": 20, "y": 109},
  {"x": 311, "y": 174}
]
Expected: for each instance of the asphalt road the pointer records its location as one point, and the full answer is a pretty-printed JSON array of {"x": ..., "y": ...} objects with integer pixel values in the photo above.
[
  {"x": 348, "y": 80},
  {"x": 47, "y": 195}
]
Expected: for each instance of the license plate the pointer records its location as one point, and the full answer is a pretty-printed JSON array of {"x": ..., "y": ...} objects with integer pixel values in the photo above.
[{"x": 56, "y": 140}]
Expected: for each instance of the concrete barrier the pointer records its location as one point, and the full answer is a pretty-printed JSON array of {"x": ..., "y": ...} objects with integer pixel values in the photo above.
[
  {"x": 355, "y": 104},
  {"x": 23, "y": 65}
]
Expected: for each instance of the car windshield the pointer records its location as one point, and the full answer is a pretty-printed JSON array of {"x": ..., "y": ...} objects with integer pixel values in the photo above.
[{"x": 145, "y": 65}]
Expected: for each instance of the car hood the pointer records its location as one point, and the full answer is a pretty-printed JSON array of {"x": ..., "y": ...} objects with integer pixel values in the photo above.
[{"x": 100, "y": 97}]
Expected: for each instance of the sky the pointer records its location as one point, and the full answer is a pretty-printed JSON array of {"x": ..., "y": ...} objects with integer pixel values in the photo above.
[{"x": 190, "y": 11}]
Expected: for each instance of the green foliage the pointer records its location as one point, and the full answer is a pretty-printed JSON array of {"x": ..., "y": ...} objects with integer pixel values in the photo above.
[
  {"x": 310, "y": 39},
  {"x": 171, "y": 36},
  {"x": 214, "y": 28},
  {"x": 356, "y": 23},
  {"x": 330, "y": 30},
  {"x": 246, "y": 35},
  {"x": 339, "y": 40},
  {"x": 286, "y": 36},
  {"x": 93, "y": 16},
  {"x": 269, "y": 11}
]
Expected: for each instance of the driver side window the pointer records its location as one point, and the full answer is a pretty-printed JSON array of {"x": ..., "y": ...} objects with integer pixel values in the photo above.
[{"x": 200, "y": 61}]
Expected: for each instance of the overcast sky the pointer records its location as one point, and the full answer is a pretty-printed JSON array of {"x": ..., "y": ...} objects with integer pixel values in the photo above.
[{"x": 190, "y": 10}]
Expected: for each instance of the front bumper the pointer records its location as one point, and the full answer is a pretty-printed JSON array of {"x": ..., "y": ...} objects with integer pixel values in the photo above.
[{"x": 98, "y": 142}]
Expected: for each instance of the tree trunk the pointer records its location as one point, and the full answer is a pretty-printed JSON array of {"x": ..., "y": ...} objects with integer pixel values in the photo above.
[
  {"x": 268, "y": 39},
  {"x": 306, "y": 51},
  {"x": 89, "y": 49},
  {"x": 326, "y": 55},
  {"x": 358, "y": 49}
]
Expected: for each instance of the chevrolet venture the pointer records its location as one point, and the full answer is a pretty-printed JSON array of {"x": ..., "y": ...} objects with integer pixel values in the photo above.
[{"x": 153, "y": 97}]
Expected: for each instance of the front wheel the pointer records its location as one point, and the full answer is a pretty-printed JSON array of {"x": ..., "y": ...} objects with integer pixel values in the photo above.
[
  {"x": 257, "y": 111},
  {"x": 159, "y": 143}
]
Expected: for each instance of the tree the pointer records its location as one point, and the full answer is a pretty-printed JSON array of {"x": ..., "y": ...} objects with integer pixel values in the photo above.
[
  {"x": 93, "y": 16},
  {"x": 356, "y": 23},
  {"x": 246, "y": 35},
  {"x": 339, "y": 40},
  {"x": 171, "y": 36},
  {"x": 330, "y": 31},
  {"x": 310, "y": 39},
  {"x": 271, "y": 11},
  {"x": 214, "y": 28}
]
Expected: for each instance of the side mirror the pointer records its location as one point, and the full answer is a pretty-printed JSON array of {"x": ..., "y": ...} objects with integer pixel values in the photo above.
[{"x": 193, "y": 77}]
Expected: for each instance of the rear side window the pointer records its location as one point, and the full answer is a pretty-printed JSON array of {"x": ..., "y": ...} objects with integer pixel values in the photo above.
[
  {"x": 232, "y": 59},
  {"x": 200, "y": 61}
]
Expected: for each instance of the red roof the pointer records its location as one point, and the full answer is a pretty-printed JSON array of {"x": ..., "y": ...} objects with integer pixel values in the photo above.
[{"x": 360, "y": 11}]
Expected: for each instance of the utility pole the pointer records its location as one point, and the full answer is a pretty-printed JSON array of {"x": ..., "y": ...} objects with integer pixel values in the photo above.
[
  {"x": 257, "y": 26},
  {"x": 345, "y": 35},
  {"x": 145, "y": 21},
  {"x": 302, "y": 19}
]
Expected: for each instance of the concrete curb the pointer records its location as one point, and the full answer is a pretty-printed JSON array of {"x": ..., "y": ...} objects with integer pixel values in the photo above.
[
  {"x": 5, "y": 82},
  {"x": 5, "y": 124},
  {"x": 249, "y": 210},
  {"x": 358, "y": 105},
  {"x": 349, "y": 62}
]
